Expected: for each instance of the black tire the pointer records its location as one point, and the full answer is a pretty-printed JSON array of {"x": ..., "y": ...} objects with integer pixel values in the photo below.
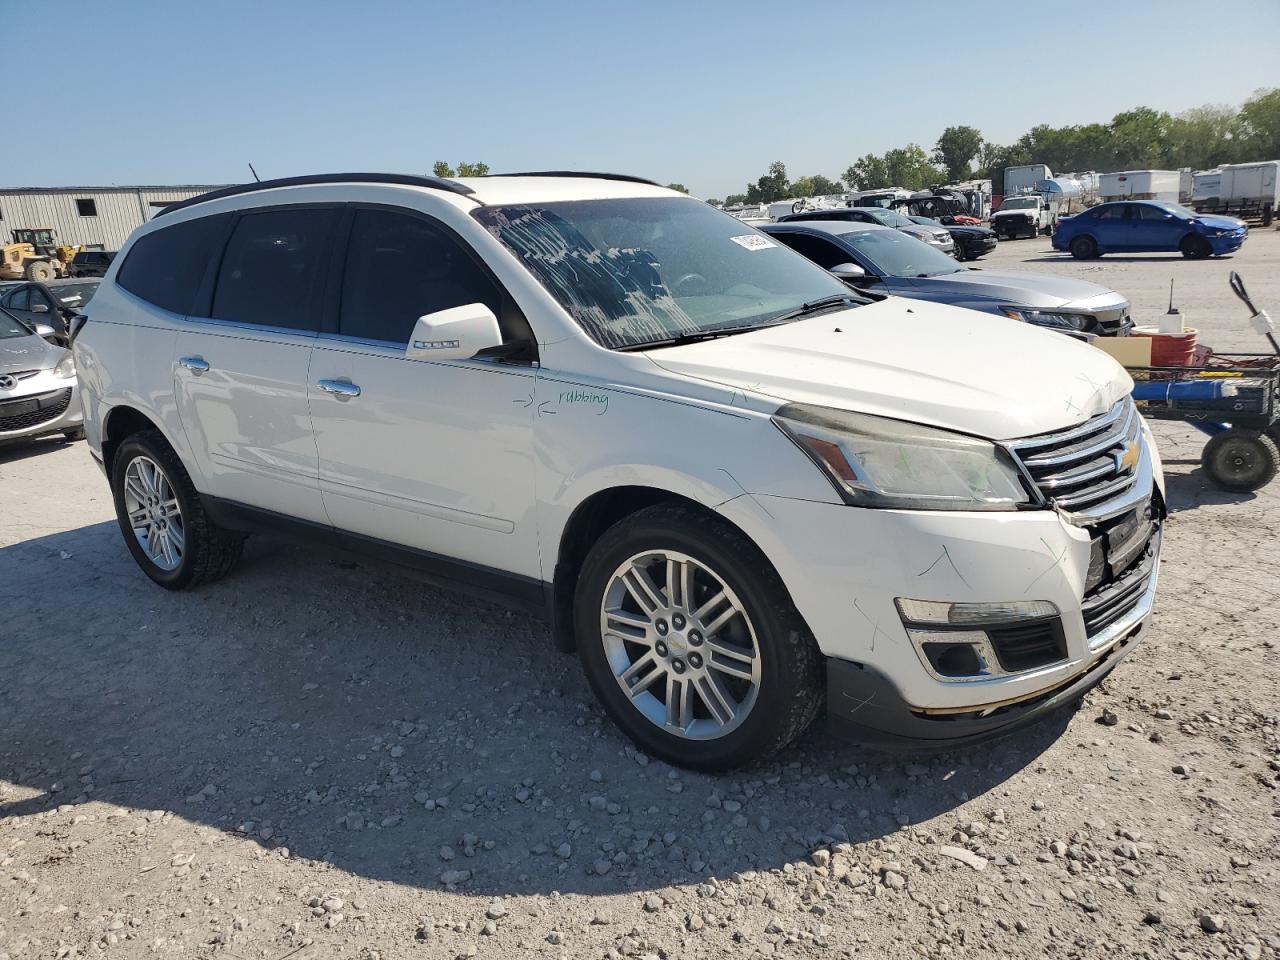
[
  {"x": 1084, "y": 248},
  {"x": 959, "y": 252},
  {"x": 791, "y": 689},
  {"x": 1195, "y": 247},
  {"x": 209, "y": 552},
  {"x": 1240, "y": 460},
  {"x": 74, "y": 435}
]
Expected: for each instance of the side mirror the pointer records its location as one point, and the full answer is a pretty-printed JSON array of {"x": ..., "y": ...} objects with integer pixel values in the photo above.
[
  {"x": 39, "y": 308},
  {"x": 454, "y": 334},
  {"x": 46, "y": 331},
  {"x": 1044, "y": 207},
  {"x": 848, "y": 272}
]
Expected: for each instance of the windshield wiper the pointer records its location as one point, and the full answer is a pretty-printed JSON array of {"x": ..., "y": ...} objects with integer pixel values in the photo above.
[
  {"x": 695, "y": 337},
  {"x": 814, "y": 306},
  {"x": 714, "y": 333}
]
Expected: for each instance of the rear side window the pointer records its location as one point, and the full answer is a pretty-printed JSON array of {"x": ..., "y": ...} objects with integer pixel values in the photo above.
[
  {"x": 165, "y": 267},
  {"x": 400, "y": 268},
  {"x": 271, "y": 269}
]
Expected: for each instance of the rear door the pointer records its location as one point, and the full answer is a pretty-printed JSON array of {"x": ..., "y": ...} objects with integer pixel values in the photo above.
[
  {"x": 433, "y": 455},
  {"x": 1112, "y": 227},
  {"x": 242, "y": 360}
]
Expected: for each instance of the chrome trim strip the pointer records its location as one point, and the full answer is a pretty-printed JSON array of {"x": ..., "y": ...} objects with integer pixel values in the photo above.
[
  {"x": 1083, "y": 430},
  {"x": 1107, "y": 440}
]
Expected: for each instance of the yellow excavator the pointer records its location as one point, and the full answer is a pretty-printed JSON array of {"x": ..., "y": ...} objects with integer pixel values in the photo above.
[{"x": 35, "y": 254}]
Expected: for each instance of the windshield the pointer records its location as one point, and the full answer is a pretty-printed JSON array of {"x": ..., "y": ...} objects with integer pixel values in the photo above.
[
  {"x": 927, "y": 221},
  {"x": 899, "y": 255},
  {"x": 1020, "y": 203},
  {"x": 11, "y": 327},
  {"x": 644, "y": 269}
]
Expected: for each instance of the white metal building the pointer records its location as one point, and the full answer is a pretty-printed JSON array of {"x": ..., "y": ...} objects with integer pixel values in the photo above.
[{"x": 92, "y": 215}]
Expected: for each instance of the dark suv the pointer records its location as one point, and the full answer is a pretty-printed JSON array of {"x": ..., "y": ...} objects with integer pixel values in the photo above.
[{"x": 91, "y": 263}]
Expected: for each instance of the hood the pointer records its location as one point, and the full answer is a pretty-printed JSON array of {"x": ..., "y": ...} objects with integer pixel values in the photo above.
[
  {"x": 938, "y": 233},
  {"x": 1011, "y": 212},
  {"x": 917, "y": 361},
  {"x": 1220, "y": 222},
  {"x": 965, "y": 230},
  {"x": 28, "y": 353},
  {"x": 1027, "y": 289}
]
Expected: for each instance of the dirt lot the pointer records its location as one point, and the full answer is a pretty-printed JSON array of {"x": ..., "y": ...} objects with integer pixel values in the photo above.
[{"x": 319, "y": 757}]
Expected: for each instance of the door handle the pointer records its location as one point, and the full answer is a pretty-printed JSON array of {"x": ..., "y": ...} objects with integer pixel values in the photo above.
[
  {"x": 196, "y": 365},
  {"x": 342, "y": 389}
]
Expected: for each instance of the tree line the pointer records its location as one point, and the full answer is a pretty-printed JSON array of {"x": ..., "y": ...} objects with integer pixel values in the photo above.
[{"x": 1137, "y": 139}]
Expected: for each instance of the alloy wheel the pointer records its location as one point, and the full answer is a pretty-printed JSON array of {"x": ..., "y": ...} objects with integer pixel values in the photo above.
[
  {"x": 154, "y": 513},
  {"x": 680, "y": 645}
]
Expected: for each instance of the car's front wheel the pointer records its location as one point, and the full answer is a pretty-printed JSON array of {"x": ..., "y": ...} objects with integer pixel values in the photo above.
[
  {"x": 690, "y": 640},
  {"x": 164, "y": 524},
  {"x": 1196, "y": 247}
]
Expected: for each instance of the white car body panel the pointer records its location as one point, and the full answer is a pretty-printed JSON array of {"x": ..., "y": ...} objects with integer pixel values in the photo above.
[{"x": 487, "y": 463}]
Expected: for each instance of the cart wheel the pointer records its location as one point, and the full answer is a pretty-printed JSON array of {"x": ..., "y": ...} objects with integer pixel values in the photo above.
[{"x": 1240, "y": 460}]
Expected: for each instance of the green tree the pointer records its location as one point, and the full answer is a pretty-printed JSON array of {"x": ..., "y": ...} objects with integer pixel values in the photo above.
[
  {"x": 442, "y": 169},
  {"x": 1141, "y": 138},
  {"x": 867, "y": 173},
  {"x": 715, "y": 202},
  {"x": 822, "y": 186},
  {"x": 956, "y": 149},
  {"x": 772, "y": 186},
  {"x": 733, "y": 199},
  {"x": 1260, "y": 125},
  {"x": 1204, "y": 137},
  {"x": 678, "y": 186},
  {"x": 909, "y": 167}
]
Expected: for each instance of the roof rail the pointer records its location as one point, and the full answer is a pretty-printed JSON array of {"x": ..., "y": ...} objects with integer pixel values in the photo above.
[
  {"x": 578, "y": 173},
  {"x": 406, "y": 179}
]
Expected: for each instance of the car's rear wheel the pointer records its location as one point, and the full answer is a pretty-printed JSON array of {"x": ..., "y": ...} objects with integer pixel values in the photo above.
[
  {"x": 163, "y": 521},
  {"x": 958, "y": 251},
  {"x": 1084, "y": 248},
  {"x": 1195, "y": 247},
  {"x": 690, "y": 641}
]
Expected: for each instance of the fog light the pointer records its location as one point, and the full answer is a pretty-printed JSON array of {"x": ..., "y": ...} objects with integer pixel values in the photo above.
[
  {"x": 955, "y": 654},
  {"x": 941, "y": 613}
]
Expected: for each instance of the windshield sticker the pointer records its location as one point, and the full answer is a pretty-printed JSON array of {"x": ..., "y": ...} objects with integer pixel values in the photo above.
[{"x": 753, "y": 241}]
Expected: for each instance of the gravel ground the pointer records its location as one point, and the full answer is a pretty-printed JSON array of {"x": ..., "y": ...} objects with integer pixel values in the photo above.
[{"x": 320, "y": 757}]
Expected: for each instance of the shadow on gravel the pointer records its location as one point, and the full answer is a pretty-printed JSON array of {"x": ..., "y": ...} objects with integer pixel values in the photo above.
[
  {"x": 359, "y": 717},
  {"x": 1188, "y": 491},
  {"x": 11, "y": 451}
]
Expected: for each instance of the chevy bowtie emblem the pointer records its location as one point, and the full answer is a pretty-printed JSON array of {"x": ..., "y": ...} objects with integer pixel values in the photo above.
[{"x": 1127, "y": 459}]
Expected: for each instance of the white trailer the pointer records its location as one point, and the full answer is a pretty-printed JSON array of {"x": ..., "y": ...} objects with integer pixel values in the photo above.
[
  {"x": 1162, "y": 185},
  {"x": 1025, "y": 179},
  {"x": 1247, "y": 190}
]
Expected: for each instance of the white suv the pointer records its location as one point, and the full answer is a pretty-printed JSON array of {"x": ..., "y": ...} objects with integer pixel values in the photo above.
[{"x": 735, "y": 487}]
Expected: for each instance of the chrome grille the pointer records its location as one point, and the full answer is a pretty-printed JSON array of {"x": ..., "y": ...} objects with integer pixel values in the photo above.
[{"x": 1079, "y": 468}]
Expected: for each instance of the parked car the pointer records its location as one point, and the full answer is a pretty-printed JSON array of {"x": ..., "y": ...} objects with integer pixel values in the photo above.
[
  {"x": 971, "y": 242},
  {"x": 91, "y": 263},
  {"x": 1027, "y": 216},
  {"x": 933, "y": 234},
  {"x": 878, "y": 260},
  {"x": 728, "y": 479},
  {"x": 1147, "y": 226},
  {"x": 54, "y": 302},
  {"x": 39, "y": 393}
]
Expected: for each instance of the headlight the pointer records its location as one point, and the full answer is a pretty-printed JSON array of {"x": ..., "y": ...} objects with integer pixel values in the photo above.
[
  {"x": 66, "y": 368},
  {"x": 877, "y": 462},
  {"x": 1221, "y": 233},
  {"x": 1048, "y": 318},
  {"x": 920, "y": 235}
]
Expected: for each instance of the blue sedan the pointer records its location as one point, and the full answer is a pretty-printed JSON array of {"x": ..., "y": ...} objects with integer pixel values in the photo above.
[{"x": 1131, "y": 226}]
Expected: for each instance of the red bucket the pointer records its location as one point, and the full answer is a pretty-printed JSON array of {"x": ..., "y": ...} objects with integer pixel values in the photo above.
[{"x": 1170, "y": 349}]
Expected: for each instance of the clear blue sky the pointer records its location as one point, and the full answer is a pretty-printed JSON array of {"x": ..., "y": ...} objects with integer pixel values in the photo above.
[{"x": 705, "y": 92}]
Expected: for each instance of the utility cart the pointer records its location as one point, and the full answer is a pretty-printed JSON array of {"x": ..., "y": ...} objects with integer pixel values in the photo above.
[{"x": 1232, "y": 397}]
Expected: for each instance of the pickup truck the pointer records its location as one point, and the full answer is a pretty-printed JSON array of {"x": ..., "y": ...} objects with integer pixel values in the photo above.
[{"x": 1023, "y": 216}]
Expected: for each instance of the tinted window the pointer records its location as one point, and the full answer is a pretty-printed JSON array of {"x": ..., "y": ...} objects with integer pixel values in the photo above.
[
  {"x": 822, "y": 252},
  {"x": 165, "y": 267},
  {"x": 271, "y": 269},
  {"x": 1111, "y": 213},
  {"x": 400, "y": 268},
  {"x": 21, "y": 300},
  {"x": 1147, "y": 212}
]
